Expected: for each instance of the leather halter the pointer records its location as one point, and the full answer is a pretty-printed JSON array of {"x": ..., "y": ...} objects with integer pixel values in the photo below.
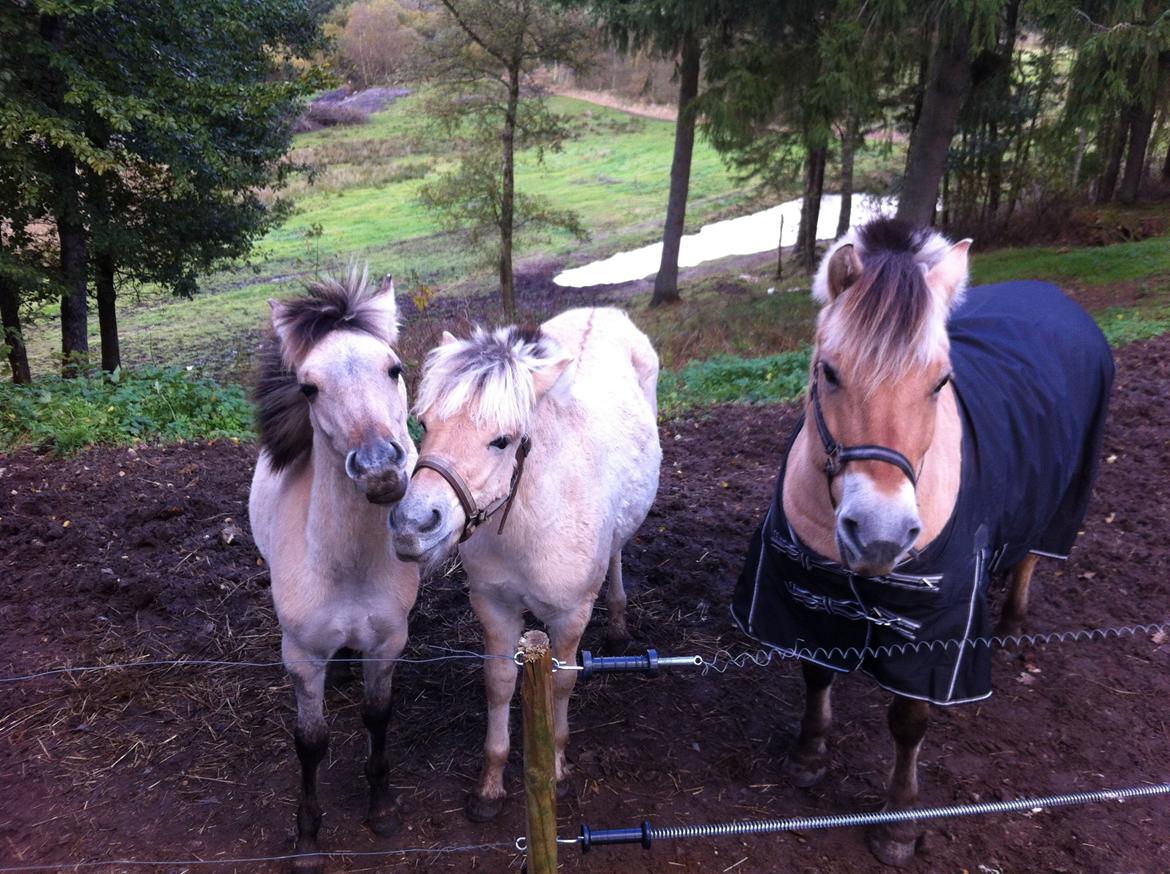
[
  {"x": 476, "y": 516},
  {"x": 839, "y": 455}
]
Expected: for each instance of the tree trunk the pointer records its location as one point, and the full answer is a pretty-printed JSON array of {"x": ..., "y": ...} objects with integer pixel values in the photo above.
[
  {"x": 107, "y": 313},
  {"x": 1003, "y": 92},
  {"x": 508, "y": 196},
  {"x": 810, "y": 207},
  {"x": 1140, "y": 125},
  {"x": 1115, "y": 149},
  {"x": 848, "y": 150},
  {"x": 12, "y": 337},
  {"x": 70, "y": 224},
  {"x": 666, "y": 282},
  {"x": 946, "y": 87},
  {"x": 1166, "y": 166}
]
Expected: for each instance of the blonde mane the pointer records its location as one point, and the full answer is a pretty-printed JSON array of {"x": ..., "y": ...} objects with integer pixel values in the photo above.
[
  {"x": 489, "y": 374},
  {"x": 889, "y": 321}
]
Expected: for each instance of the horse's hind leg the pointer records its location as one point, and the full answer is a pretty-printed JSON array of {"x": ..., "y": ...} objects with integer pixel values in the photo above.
[
  {"x": 1015, "y": 609},
  {"x": 307, "y": 671},
  {"x": 501, "y": 626},
  {"x": 895, "y": 844},
  {"x": 617, "y": 633},
  {"x": 378, "y": 672},
  {"x": 807, "y": 760}
]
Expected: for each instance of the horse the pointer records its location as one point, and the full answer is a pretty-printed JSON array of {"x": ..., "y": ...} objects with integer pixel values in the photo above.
[
  {"x": 948, "y": 434},
  {"x": 334, "y": 453},
  {"x": 554, "y": 430}
]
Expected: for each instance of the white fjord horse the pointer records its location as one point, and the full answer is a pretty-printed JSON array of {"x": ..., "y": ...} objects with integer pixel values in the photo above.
[
  {"x": 556, "y": 429},
  {"x": 332, "y": 408}
]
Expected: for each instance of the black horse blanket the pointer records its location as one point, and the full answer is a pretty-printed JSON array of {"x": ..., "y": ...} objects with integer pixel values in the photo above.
[{"x": 1032, "y": 373}]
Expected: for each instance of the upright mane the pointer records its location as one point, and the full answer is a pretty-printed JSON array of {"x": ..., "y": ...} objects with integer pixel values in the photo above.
[
  {"x": 490, "y": 373},
  {"x": 329, "y": 304},
  {"x": 889, "y": 320}
]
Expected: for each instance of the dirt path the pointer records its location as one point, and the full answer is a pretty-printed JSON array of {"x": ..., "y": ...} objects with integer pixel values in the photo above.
[{"x": 124, "y": 555}]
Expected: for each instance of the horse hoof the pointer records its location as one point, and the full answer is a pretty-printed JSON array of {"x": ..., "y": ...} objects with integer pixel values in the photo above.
[
  {"x": 896, "y": 854},
  {"x": 308, "y": 865},
  {"x": 564, "y": 789},
  {"x": 803, "y": 775},
  {"x": 385, "y": 823},
  {"x": 479, "y": 809}
]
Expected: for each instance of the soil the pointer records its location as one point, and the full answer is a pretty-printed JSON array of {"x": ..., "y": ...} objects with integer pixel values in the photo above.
[{"x": 122, "y": 555}]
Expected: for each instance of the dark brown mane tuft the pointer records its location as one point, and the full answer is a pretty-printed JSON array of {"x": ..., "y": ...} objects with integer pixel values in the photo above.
[{"x": 282, "y": 412}]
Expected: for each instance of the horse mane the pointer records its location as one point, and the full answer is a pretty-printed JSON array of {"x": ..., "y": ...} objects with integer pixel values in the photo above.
[
  {"x": 889, "y": 320},
  {"x": 329, "y": 304},
  {"x": 490, "y": 372}
]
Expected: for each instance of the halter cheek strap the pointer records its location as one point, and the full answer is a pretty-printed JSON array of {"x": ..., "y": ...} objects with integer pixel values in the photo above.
[
  {"x": 474, "y": 514},
  {"x": 838, "y": 454}
]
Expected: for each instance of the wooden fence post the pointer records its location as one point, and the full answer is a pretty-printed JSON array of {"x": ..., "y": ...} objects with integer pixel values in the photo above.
[{"x": 540, "y": 777}]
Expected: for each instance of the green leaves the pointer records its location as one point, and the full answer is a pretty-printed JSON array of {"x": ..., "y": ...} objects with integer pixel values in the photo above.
[{"x": 157, "y": 405}]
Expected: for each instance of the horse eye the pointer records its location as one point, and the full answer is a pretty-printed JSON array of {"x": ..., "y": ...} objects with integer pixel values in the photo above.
[
  {"x": 395, "y": 372},
  {"x": 942, "y": 383},
  {"x": 831, "y": 376},
  {"x": 501, "y": 442},
  {"x": 308, "y": 390}
]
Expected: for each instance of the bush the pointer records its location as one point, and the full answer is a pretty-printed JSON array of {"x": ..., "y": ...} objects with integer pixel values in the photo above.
[
  {"x": 728, "y": 379},
  {"x": 156, "y": 405}
]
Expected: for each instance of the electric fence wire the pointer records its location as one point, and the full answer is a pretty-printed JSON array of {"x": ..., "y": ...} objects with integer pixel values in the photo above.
[
  {"x": 253, "y": 860},
  {"x": 723, "y": 660}
]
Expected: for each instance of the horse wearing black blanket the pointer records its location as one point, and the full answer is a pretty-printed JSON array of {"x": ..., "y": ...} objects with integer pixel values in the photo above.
[{"x": 948, "y": 433}]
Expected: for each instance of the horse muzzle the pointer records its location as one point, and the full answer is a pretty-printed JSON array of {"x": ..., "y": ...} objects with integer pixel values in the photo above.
[
  {"x": 420, "y": 531},
  {"x": 378, "y": 467}
]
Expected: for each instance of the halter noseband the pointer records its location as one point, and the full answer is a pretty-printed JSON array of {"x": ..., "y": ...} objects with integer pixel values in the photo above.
[
  {"x": 839, "y": 455},
  {"x": 476, "y": 516}
]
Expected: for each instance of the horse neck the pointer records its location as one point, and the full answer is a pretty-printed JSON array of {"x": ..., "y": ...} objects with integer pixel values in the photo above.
[
  {"x": 809, "y": 507},
  {"x": 340, "y": 519}
]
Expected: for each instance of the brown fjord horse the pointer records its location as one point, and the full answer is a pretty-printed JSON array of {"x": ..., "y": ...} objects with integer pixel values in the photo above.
[
  {"x": 948, "y": 434},
  {"x": 334, "y": 452}
]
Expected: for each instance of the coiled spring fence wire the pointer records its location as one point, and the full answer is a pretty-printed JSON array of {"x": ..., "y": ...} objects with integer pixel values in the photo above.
[
  {"x": 849, "y": 820},
  {"x": 720, "y": 661}
]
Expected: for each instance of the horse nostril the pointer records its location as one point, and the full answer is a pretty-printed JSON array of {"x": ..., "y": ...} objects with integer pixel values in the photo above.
[
  {"x": 353, "y": 467},
  {"x": 851, "y": 530},
  {"x": 436, "y": 518},
  {"x": 399, "y": 455},
  {"x": 912, "y": 535}
]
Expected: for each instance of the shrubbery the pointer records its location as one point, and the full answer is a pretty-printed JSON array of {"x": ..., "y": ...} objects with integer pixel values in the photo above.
[
  {"x": 156, "y": 405},
  {"x": 727, "y": 379}
]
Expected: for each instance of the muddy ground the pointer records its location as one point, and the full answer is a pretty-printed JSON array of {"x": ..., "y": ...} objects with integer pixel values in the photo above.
[{"x": 126, "y": 555}]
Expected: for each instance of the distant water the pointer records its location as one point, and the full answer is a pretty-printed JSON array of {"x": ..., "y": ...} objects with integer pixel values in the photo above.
[{"x": 758, "y": 232}]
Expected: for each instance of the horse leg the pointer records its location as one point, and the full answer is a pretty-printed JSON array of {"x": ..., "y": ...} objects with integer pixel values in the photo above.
[
  {"x": 502, "y": 626},
  {"x": 806, "y": 762},
  {"x": 1015, "y": 609},
  {"x": 565, "y": 637},
  {"x": 616, "y": 634},
  {"x": 311, "y": 736},
  {"x": 895, "y": 844},
  {"x": 378, "y": 672}
]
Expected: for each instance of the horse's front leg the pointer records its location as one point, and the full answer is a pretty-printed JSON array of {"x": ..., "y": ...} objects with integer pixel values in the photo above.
[
  {"x": 307, "y": 670},
  {"x": 378, "y": 673},
  {"x": 895, "y": 844},
  {"x": 565, "y": 637},
  {"x": 502, "y": 626},
  {"x": 807, "y": 761},
  {"x": 1015, "y": 609}
]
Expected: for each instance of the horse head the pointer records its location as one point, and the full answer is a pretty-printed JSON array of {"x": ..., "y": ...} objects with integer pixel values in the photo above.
[
  {"x": 337, "y": 387},
  {"x": 476, "y": 404},
  {"x": 879, "y": 368}
]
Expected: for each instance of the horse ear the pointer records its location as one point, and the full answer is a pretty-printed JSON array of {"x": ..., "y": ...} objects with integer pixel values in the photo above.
[
  {"x": 949, "y": 275},
  {"x": 385, "y": 308},
  {"x": 544, "y": 379},
  {"x": 448, "y": 337},
  {"x": 844, "y": 270}
]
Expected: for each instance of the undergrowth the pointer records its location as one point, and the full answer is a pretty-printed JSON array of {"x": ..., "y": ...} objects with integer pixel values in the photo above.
[
  {"x": 153, "y": 405},
  {"x": 729, "y": 379}
]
